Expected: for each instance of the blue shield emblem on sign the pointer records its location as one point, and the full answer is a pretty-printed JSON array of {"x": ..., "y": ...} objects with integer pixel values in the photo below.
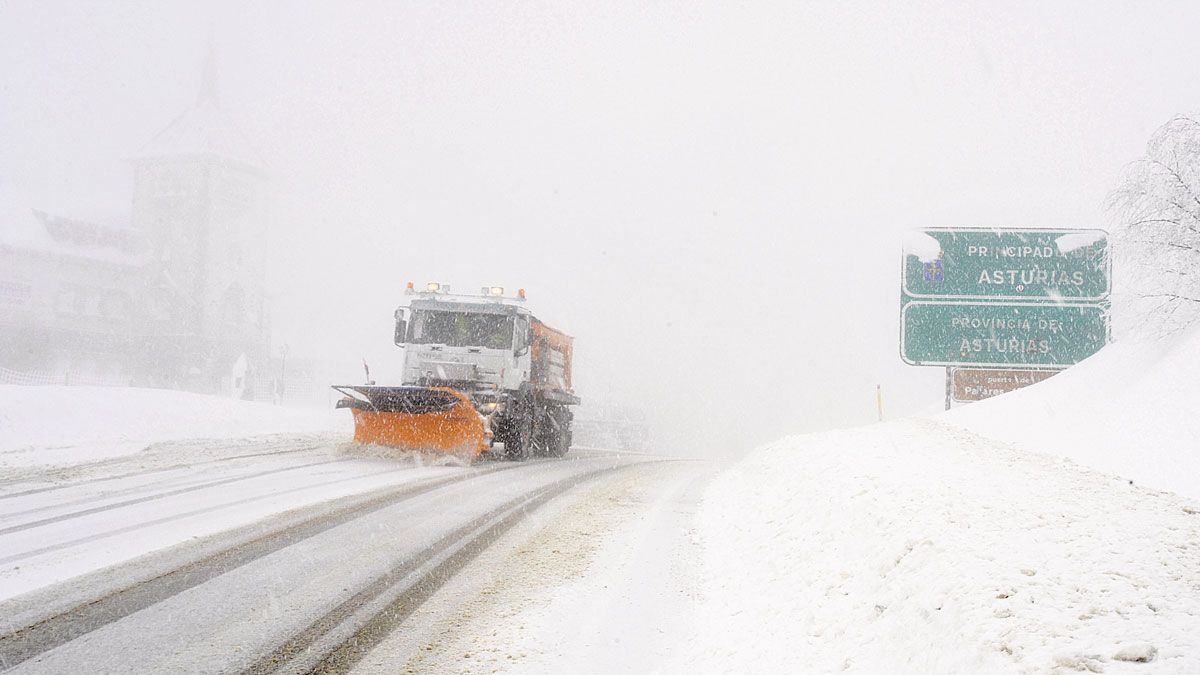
[{"x": 934, "y": 271}]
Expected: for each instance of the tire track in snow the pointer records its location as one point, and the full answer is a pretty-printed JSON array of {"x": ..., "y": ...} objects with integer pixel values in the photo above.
[
  {"x": 151, "y": 497},
  {"x": 183, "y": 479},
  {"x": 344, "y": 635},
  {"x": 145, "y": 472},
  {"x": 21, "y": 644},
  {"x": 187, "y": 514}
]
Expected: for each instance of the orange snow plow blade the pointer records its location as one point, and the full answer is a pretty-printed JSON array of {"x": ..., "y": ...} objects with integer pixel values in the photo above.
[{"x": 440, "y": 419}]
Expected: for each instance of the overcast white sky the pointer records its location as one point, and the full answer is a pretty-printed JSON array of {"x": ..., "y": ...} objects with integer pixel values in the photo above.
[{"x": 709, "y": 196}]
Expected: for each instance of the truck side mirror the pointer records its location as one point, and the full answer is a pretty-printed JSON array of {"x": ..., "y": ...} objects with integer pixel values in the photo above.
[
  {"x": 521, "y": 344},
  {"x": 401, "y": 327}
]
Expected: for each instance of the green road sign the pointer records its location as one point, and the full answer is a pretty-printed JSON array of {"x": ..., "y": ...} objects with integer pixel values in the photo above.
[
  {"x": 991, "y": 334},
  {"x": 1006, "y": 265}
]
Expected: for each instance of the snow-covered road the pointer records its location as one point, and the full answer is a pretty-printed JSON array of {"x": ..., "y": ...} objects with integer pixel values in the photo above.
[
  {"x": 601, "y": 580},
  {"x": 259, "y": 562},
  {"x": 49, "y": 534}
]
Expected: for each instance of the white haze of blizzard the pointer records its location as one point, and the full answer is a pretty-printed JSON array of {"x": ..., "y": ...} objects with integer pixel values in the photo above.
[
  {"x": 710, "y": 198},
  {"x": 1129, "y": 410}
]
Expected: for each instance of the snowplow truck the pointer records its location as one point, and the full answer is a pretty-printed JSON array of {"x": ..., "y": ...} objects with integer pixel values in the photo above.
[{"x": 477, "y": 370}]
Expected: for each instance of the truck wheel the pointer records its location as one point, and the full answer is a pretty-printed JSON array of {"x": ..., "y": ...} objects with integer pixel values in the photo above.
[
  {"x": 556, "y": 433},
  {"x": 518, "y": 445},
  {"x": 561, "y": 444}
]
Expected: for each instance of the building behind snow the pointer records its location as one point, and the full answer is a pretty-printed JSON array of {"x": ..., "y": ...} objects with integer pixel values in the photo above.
[{"x": 175, "y": 298}]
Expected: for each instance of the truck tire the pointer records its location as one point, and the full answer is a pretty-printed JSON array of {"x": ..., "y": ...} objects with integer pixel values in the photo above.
[
  {"x": 519, "y": 442},
  {"x": 555, "y": 432},
  {"x": 562, "y": 444}
]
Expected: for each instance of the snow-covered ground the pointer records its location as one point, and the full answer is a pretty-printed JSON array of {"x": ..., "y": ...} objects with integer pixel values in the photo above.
[
  {"x": 60, "y": 425},
  {"x": 601, "y": 580},
  {"x": 915, "y": 547},
  {"x": 1128, "y": 410},
  {"x": 50, "y": 535},
  {"x": 1028, "y": 533},
  {"x": 245, "y": 606},
  {"x": 92, "y": 477}
]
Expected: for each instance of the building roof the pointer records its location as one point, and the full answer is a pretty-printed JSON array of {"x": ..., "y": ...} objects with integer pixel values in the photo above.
[{"x": 30, "y": 230}]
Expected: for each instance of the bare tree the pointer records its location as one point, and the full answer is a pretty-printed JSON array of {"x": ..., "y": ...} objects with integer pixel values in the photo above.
[{"x": 1157, "y": 238}]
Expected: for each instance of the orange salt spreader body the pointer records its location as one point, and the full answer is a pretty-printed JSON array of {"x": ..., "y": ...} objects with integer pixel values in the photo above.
[{"x": 417, "y": 418}]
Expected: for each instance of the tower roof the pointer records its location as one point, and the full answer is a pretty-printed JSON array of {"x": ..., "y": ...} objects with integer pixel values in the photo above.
[
  {"x": 208, "y": 77},
  {"x": 204, "y": 129}
]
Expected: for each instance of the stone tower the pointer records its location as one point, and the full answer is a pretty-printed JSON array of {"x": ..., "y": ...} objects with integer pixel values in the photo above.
[{"x": 200, "y": 200}]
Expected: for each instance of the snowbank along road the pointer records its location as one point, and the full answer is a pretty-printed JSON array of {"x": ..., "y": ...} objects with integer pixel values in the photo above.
[
  {"x": 919, "y": 547},
  {"x": 266, "y": 557}
]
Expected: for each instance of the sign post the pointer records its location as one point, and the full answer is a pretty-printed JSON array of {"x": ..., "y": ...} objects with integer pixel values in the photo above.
[
  {"x": 948, "y": 392},
  {"x": 1011, "y": 299}
]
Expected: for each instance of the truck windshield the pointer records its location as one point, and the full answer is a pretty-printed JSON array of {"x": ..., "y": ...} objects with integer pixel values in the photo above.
[{"x": 461, "y": 329}]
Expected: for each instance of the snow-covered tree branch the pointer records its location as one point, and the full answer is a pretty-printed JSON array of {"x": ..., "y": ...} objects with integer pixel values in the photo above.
[{"x": 1157, "y": 237}]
